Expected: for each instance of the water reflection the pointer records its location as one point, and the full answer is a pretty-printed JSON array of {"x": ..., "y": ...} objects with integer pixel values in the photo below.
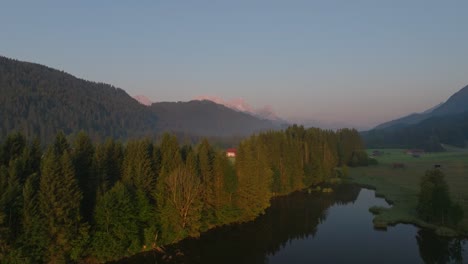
[
  {"x": 312, "y": 228},
  {"x": 435, "y": 249}
]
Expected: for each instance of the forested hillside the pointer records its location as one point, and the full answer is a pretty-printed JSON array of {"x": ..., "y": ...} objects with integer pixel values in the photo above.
[
  {"x": 206, "y": 118},
  {"x": 82, "y": 201},
  {"x": 428, "y": 134},
  {"x": 456, "y": 104},
  {"x": 445, "y": 123},
  {"x": 39, "y": 101}
]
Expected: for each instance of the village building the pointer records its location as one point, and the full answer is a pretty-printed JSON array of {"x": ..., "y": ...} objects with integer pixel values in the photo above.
[
  {"x": 377, "y": 153},
  {"x": 415, "y": 152},
  {"x": 231, "y": 153}
]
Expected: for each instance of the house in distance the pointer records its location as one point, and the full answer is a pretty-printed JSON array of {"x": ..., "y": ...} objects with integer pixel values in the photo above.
[
  {"x": 415, "y": 152},
  {"x": 231, "y": 153}
]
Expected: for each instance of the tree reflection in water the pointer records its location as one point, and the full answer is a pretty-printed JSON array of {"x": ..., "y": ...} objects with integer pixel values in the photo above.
[
  {"x": 289, "y": 218},
  {"x": 436, "y": 249}
]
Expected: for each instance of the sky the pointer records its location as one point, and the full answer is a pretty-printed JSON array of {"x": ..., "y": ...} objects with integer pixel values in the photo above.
[{"x": 358, "y": 63}]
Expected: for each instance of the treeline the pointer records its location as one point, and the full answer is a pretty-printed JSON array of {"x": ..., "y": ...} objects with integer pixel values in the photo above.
[
  {"x": 77, "y": 201},
  {"x": 428, "y": 134},
  {"x": 264, "y": 236}
]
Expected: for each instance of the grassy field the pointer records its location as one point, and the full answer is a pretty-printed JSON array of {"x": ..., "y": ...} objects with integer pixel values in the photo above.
[{"x": 400, "y": 186}]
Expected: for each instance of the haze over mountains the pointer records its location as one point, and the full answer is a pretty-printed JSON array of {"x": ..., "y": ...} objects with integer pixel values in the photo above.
[
  {"x": 238, "y": 104},
  {"x": 206, "y": 118},
  {"x": 265, "y": 112},
  {"x": 39, "y": 101},
  {"x": 445, "y": 123}
]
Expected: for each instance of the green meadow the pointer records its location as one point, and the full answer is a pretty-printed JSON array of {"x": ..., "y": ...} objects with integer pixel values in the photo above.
[{"x": 400, "y": 186}]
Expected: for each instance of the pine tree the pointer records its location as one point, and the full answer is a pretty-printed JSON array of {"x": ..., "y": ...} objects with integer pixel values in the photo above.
[
  {"x": 32, "y": 157},
  {"x": 8, "y": 194},
  {"x": 107, "y": 164},
  {"x": 170, "y": 161},
  {"x": 138, "y": 168},
  {"x": 116, "y": 232},
  {"x": 12, "y": 148},
  {"x": 32, "y": 238},
  {"x": 10, "y": 199},
  {"x": 434, "y": 203},
  {"x": 83, "y": 152},
  {"x": 170, "y": 154},
  {"x": 255, "y": 177},
  {"x": 59, "y": 203},
  {"x": 60, "y": 145},
  {"x": 225, "y": 185},
  {"x": 139, "y": 175},
  {"x": 205, "y": 161}
]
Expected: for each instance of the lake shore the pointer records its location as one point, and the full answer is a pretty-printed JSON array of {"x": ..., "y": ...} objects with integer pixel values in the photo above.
[{"x": 400, "y": 188}]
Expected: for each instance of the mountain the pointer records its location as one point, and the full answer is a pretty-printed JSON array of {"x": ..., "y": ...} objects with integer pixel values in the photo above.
[
  {"x": 405, "y": 121},
  {"x": 457, "y": 103},
  {"x": 241, "y": 105},
  {"x": 429, "y": 134},
  {"x": 207, "y": 118},
  {"x": 446, "y": 123},
  {"x": 143, "y": 100},
  {"x": 39, "y": 101}
]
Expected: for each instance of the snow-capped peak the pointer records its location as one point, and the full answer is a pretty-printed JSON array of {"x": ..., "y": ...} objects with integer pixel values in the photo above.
[{"x": 143, "y": 100}]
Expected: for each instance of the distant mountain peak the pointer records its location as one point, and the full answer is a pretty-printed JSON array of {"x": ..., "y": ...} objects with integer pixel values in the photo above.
[
  {"x": 241, "y": 105},
  {"x": 457, "y": 103},
  {"x": 207, "y": 118},
  {"x": 49, "y": 100},
  {"x": 143, "y": 100}
]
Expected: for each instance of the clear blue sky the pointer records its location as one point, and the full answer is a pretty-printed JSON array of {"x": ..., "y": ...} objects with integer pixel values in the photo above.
[{"x": 360, "y": 62}]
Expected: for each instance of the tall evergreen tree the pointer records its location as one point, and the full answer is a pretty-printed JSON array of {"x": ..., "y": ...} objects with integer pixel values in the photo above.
[
  {"x": 205, "y": 162},
  {"x": 59, "y": 203},
  {"x": 60, "y": 144},
  {"x": 32, "y": 158},
  {"x": 170, "y": 161},
  {"x": 116, "y": 231},
  {"x": 139, "y": 174},
  {"x": 82, "y": 154},
  {"x": 138, "y": 168},
  {"x": 170, "y": 154},
  {"x": 32, "y": 237},
  {"x": 255, "y": 177},
  {"x": 434, "y": 199},
  {"x": 225, "y": 185},
  {"x": 107, "y": 162},
  {"x": 12, "y": 147},
  {"x": 10, "y": 199}
]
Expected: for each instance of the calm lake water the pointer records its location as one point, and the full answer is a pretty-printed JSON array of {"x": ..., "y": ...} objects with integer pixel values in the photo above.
[{"x": 314, "y": 228}]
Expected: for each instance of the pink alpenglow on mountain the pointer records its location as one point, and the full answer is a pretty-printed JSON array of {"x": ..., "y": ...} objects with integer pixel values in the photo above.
[
  {"x": 143, "y": 100},
  {"x": 239, "y": 104}
]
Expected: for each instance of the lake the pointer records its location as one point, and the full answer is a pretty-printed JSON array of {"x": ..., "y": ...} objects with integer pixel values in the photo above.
[{"x": 314, "y": 228}]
